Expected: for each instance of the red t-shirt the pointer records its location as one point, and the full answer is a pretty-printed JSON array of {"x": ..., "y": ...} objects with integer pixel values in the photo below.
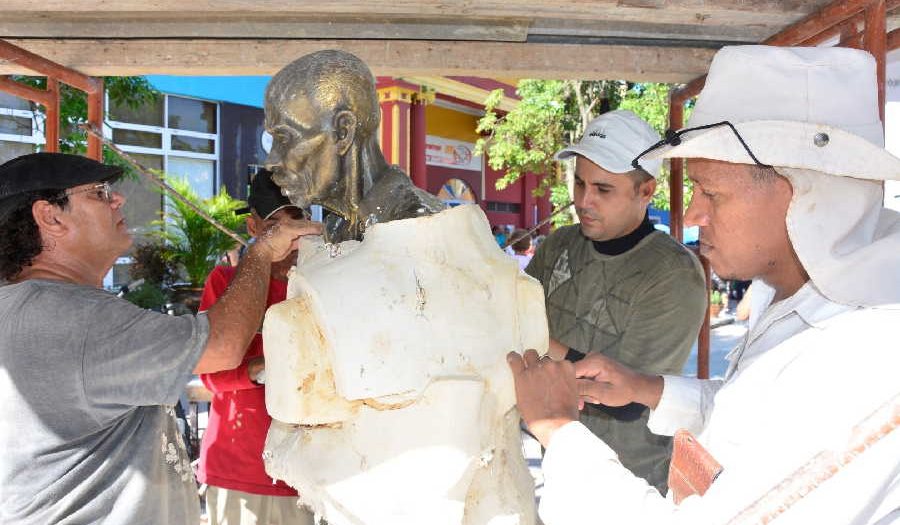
[{"x": 231, "y": 452}]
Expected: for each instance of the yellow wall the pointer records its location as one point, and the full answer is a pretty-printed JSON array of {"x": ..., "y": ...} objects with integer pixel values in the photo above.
[{"x": 450, "y": 124}]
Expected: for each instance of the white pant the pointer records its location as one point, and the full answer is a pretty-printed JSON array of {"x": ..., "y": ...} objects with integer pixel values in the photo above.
[{"x": 233, "y": 507}]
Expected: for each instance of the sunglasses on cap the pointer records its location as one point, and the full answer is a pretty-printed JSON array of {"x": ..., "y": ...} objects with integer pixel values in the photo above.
[{"x": 673, "y": 138}]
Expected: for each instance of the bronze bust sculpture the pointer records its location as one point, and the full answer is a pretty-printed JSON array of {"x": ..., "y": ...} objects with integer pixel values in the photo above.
[{"x": 323, "y": 114}]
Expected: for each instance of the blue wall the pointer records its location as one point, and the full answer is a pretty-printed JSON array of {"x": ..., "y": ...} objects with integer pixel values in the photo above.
[{"x": 248, "y": 91}]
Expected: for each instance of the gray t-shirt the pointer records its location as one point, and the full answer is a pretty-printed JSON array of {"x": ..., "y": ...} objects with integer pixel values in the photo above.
[{"x": 87, "y": 428}]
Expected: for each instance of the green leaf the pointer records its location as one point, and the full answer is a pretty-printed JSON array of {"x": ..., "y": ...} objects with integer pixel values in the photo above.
[{"x": 192, "y": 241}]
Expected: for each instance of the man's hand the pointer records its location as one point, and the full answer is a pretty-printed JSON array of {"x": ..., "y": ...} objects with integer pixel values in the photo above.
[
  {"x": 278, "y": 240},
  {"x": 605, "y": 381},
  {"x": 545, "y": 393},
  {"x": 557, "y": 350}
]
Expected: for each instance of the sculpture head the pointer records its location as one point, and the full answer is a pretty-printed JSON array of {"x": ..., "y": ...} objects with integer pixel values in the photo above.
[{"x": 321, "y": 110}]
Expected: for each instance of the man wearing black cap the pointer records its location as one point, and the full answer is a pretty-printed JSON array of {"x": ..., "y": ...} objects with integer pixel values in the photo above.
[
  {"x": 88, "y": 380},
  {"x": 240, "y": 492}
]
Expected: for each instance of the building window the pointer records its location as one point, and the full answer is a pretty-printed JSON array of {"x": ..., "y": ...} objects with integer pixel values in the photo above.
[
  {"x": 174, "y": 134},
  {"x": 182, "y": 132},
  {"x": 20, "y": 127},
  {"x": 503, "y": 207}
]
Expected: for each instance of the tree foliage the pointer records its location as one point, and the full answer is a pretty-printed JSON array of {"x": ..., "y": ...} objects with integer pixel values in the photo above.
[
  {"x": 128, "y": 91},
  {"x": 190, "y": 239},
  {"x": 650, "y": 101},
  {"x": 550, "y": 114}
]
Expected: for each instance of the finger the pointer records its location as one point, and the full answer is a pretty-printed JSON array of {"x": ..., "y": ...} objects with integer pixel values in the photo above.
[
  {"x": 531, "y": 357},
  {"x": 584, "y": 400},
  {"x": 311, "y": 228},
  {"x": 592, "y": 390},
  {"x": 594, "y": 365},
  {"x": 515, "y": 362}
]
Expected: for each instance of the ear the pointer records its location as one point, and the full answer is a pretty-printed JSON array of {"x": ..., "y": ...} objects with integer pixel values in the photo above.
[
  {"x": 345, "y": 128},
  {"x": 646, "y": 191},
  {"x": 49, "y": 218},
  {"x": 251, "y": 225}
]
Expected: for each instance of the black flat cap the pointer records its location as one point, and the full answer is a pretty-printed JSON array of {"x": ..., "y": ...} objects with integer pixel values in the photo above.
[{"x": 47, "y": 171}]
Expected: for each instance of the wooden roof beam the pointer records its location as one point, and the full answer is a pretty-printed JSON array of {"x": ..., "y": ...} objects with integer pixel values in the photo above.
[{"x": 394, "y": 58}]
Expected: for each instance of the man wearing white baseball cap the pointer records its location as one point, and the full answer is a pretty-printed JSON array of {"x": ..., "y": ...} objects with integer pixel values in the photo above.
[
  {"x": 785, "y": 148},
  {"x": 614, "y": 285}
]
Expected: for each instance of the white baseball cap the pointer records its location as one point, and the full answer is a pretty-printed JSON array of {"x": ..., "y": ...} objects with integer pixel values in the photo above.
[{"x": 613, "y": 140}]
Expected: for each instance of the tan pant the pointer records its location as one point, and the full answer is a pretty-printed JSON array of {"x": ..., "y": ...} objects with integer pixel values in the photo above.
[{"x": 233, "y": 507}]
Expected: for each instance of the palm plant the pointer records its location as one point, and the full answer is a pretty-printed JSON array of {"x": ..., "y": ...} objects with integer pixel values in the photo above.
[{"x": 191, "y": 240}]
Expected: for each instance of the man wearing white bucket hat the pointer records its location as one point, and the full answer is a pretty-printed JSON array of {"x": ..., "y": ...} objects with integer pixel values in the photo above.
[
  {"x": 785, "y": 149},
  {"x": 613, "y": 284}
]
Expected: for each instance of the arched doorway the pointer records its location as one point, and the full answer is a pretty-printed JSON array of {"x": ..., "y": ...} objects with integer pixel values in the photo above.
[{"x": 455, "y": 192}]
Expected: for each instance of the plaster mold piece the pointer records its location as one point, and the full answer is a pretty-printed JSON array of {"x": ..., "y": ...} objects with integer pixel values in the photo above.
[{"x": 387, "y": 376}]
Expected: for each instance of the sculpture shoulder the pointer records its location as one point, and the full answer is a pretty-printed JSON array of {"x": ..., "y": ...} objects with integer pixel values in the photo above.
[{"x": 395, "y": 197}]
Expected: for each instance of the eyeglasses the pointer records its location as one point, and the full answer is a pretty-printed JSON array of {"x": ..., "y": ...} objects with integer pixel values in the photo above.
[
  {"x": 102, "y": 191},
  {"x": 673, "y": 138}
]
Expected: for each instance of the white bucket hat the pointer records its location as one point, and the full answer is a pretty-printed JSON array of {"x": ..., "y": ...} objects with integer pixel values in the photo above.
[
  {"x": 809, "y": 108},
  {"x": 812, "y": 113},
  {"x": 613, "y": 140}
]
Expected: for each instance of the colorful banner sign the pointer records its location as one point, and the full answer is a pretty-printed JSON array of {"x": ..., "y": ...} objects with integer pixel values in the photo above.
[{"x": 451, "y": 154}]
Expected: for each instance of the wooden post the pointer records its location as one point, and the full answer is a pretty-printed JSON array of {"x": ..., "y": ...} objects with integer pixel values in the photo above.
[
  {"x": 703, "y": 339},
  {"x": 50, "y": 99},
  {"x": 51, "y": 124},
  {"x": 875, "y": 40},
  {"x": 95, "y": 120},
  {"x": 676, "y": 174}
]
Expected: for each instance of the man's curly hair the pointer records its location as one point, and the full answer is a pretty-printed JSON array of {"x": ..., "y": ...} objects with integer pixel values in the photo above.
[{"x": 20, "y": 239}]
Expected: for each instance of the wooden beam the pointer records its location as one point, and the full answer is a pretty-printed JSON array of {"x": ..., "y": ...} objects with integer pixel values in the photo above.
[
  {"x": 254, "y": 25},
  {"x": 40, "y": 96},
  {"x": 27, "y": 62},
  {"x": 711, "y": 11},
  {"x": 830, "y": 16},
  {"x": 893, "y": 40},
  {"x": 395, "y": 58},
  {"x": 807, "y": 30}
]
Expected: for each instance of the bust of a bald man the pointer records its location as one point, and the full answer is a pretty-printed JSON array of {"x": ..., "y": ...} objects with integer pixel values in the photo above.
[{"x": 322, "y": 112}]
